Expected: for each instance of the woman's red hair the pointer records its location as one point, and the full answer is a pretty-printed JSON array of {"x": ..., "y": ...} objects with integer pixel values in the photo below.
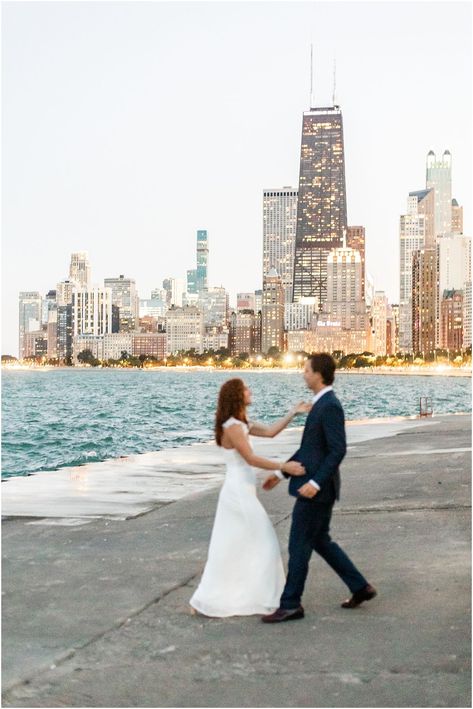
[{"x": 231, "y": 402}]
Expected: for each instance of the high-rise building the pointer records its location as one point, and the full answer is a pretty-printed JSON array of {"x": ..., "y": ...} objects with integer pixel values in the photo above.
[
  {"x": 64, "y": 292},
  {"x": 467, "y": 314},
  {"x": 298, "y": 316},
  {"x": 125, "y": 297},
  {"x": 356, "y": 240},
  {"x": 197, "y": 278},
  {"x": 424, "y": 292},
  {"x": 244, "y": 332},
  {"x": 411, "y": 239},
  {"x": 344, "y": 301},
  {"x": 379, "y": 319},
  {"x": 279, "y": 234},
  {"x": 91, "y": 311},
  {"x": 457, "y": 218},
  {"x": 79, "y": 269},
  {"x": 426, "y": 207},
  {"x": 213, "y": 302},
  {"x": 175, "y": 289},
  {"x": 321, "y": 208},
  {"x": 272, "y": 334},
  {"x": 202, "y": 260},
  {"x": 185, "y": 329},
  {"x": 51, "y": 329},
  {"x": 30, "y": 307},
  {"x": 64, "y": 332},
  {"x": 451, "y": 320},
  {"x": 454, "y": 270},
  {"x": 439, "y": 176}
]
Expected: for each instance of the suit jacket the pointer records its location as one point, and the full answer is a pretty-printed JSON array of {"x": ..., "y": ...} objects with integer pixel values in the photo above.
[{"x": 322, "y": 449}]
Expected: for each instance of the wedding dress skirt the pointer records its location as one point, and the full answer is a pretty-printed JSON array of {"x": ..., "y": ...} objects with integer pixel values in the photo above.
[{"x": 244, "y": 574}]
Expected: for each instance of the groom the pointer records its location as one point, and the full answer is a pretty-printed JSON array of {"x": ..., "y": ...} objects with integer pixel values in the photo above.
[{"x": 322, "y": 449}]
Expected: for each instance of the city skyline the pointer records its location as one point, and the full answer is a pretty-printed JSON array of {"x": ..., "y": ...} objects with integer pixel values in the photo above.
[{"x": 148, "y": 258}]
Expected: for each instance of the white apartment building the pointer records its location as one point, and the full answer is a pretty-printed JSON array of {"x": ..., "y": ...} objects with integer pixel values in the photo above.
[
  {"x": 279, "y": 234},
  {"x": 298, "y": 316},
  {"x": 92, "y": 311},
  {"x": 185, "y": 329},
  {"x": 411, "y": 238}
]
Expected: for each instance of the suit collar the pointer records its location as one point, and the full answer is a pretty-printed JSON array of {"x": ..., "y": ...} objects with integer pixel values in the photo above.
[{"x": 321, "y": 393}]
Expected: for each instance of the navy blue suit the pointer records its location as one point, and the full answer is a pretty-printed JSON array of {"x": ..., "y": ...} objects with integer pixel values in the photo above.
[{"x": 322, "y": 449}]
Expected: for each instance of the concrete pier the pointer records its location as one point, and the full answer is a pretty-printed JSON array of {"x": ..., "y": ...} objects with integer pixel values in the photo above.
[{"x": 97, "y": 614}]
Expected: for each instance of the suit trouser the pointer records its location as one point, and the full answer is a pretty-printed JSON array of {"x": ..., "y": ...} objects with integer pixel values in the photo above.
[{"x": 310, "y": 532}]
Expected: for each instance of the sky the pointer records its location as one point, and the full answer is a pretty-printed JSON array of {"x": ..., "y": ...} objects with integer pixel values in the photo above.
[{"x": 128, "y": 126}]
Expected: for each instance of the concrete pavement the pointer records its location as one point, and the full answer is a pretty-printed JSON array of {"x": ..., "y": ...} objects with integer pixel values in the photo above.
[{"x": 97, "y": 614}]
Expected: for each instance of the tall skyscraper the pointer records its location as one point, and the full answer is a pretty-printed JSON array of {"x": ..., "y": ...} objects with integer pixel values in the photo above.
[
  {"x": 202, "y": 260},
  {"x": 424, "y": 297},
  {"x": 439, "y": 176},
  {"x": 64, "y": 332},
  {"x": 279, "y": 234},
  {"x": 29, "y": 307},
  {"x": 356, "y": 240},
  {"x": 125, "y": 297},
  {"x": 411, "y": 238},
  {"x": 321, "y": 209},
  {"x": 457, "y": 217},
  {"x": 79, "y": 270},
  {"x": 344, "y": 302},
  {"x": 272, "y": 334}
]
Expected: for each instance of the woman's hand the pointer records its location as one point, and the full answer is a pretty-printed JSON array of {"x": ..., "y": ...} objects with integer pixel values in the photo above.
[
  {"x": 292, "y": 467},
  {"x": 301, "y": 408}
]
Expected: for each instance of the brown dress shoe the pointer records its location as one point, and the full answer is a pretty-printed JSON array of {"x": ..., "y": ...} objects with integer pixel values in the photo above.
[
  {"x": 282, "y": 614},
  {"x": 364, "y": 594}
]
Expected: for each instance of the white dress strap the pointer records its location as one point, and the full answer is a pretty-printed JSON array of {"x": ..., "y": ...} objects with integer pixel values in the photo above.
[{"x": 232, "y": 420}]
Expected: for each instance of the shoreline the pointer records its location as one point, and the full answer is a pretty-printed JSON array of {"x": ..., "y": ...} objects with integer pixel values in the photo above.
[
  {"x": 126, "y": 487},
  {"x": 349, "y": 423},
  {"x": 413, "y": 371}
]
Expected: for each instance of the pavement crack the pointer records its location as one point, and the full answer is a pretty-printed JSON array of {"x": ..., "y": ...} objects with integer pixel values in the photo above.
[{"x": 61, "y": 659}]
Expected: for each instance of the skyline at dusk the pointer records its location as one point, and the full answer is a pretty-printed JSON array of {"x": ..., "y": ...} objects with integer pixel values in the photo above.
[{"x": 127, "y": 128}]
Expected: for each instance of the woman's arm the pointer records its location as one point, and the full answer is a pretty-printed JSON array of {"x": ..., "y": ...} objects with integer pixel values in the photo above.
[
  {"x": 236, "y": 436},
  {"x": 259, "y": 429}
]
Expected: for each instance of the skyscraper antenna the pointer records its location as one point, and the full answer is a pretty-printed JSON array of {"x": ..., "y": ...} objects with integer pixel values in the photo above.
[
  {"x": 312, "y": 100},
  {"x": 334, "y": 80}
]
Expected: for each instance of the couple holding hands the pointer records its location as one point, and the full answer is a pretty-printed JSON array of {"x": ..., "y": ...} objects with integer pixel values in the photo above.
[{"x": 244, "y": 574}]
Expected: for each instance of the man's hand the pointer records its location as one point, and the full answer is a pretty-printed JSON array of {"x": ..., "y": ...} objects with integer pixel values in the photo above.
[
  {"x": 307, "y": 490},
  {"x": 270, "y": 482}
]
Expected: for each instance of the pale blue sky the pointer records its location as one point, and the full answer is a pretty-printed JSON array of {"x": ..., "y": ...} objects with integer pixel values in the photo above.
[{"x": 128, "y": 126}]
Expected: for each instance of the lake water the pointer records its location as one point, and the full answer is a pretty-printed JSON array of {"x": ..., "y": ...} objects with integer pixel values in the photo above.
[{"x": 55, "y": 418}]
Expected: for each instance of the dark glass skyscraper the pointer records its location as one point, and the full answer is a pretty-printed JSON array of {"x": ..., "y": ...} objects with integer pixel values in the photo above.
[{"x": 321, "y": 209}]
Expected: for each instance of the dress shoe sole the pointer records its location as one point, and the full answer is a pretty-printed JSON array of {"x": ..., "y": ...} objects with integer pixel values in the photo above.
[{"x": 293, "y": 616}]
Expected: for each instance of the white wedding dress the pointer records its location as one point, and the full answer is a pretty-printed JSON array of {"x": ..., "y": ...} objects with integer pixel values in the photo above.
[{"x": 244, "y": 574}]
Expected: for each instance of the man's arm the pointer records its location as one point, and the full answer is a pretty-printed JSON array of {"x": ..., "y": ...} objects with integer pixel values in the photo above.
[{"x": 333, "y": 424}]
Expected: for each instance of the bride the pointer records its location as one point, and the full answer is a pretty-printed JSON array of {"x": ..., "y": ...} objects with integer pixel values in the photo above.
[{"x": 244, "y": 574}]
